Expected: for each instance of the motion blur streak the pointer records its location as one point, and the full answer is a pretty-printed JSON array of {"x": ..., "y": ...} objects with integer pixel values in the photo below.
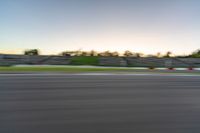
[{"x": 99, "y": 104}]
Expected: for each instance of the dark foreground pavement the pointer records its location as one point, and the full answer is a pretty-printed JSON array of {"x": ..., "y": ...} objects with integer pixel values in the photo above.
[{"x": 99, "y": 104}]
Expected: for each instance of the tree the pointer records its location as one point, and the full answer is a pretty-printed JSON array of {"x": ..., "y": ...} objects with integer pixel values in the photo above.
[
  {"x": 67, "y": 53},
  {"x": 105, "y": 53},
  {"x": 31, "y": 52},
  {"x": 195, "y": 54},
  {"x": 109, "y": 54},
  {"x": 128, "y": 53},
  {"x": 138, "y": 55},
  {"x": 72, "y": 53},
  {"x": 83, "y": 53},
  {"x": 115, "y": 54},
  {"x": 168, "y": 54},
  {"x": 93, "y": 53},
  {"x": 158, "y": 54}
]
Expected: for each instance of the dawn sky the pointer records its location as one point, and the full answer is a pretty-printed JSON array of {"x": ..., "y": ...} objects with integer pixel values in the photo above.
[{"x": 147, "y": 26}]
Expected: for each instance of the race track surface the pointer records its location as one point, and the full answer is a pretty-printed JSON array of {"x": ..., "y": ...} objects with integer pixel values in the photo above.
[{"x": 99, "y": 104}]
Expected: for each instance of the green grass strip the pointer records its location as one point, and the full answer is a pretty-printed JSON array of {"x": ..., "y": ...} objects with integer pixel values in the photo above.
[{"x": 84, "y": 60}]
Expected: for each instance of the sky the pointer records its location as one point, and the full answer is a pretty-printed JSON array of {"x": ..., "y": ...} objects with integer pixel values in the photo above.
[{"x": 146, "y": 26}]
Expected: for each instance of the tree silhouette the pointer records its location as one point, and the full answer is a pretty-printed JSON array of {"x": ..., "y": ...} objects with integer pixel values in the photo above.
[
  {"x": 31, "y": 52},
  {"x": 128, "y": 53},
  {"x": 168, "y": 54}
]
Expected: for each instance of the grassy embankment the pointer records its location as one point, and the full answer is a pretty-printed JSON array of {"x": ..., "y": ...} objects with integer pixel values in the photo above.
[
  {"x": 76, "y": 61},
  {"x": 57, "y": 69},
  {"x": 84, "y": 60}
]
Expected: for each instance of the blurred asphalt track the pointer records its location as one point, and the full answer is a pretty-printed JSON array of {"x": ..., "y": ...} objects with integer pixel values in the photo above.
[{"x": 59, "y": 103}]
